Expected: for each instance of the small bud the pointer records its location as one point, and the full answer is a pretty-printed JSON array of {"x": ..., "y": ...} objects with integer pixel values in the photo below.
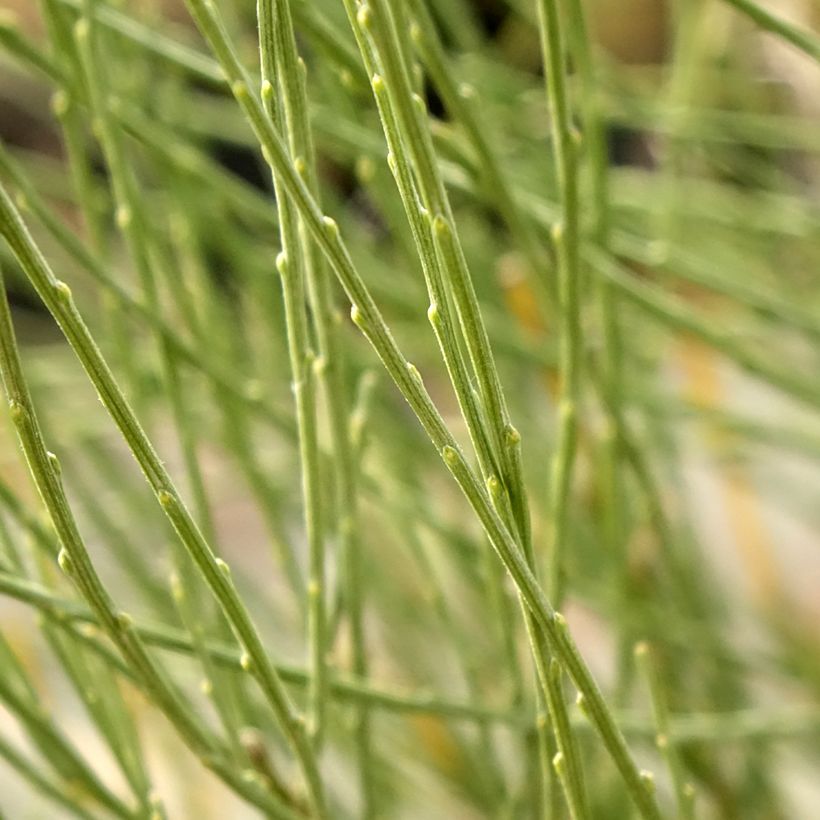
[
  {"x": 512, "y": 437},
  {"x": 314, "y": 589},
  {"x": 300, "y": 166},
  {"x": 320, "y": 364},
  {"x": 16, "y": 410},
  {"x": 81, "y": 30},
  {"x": 64, "y": 562},
  {"x": 364, "y": 16},
  {"x": 266, "y": 91},
  {"x": 559, "y": 620},
  {"x": 365, "y": 170},
  {"x": 641, "y": 649},
  {"x": 54, "y": 462},
  {"x": 450, "y": 455},
  {"x": 433, "y": 315},
  {"x": 648, "y": 780},
  {"x": 558, "y": 763},
  {"x": 166, "y": 499},
  {"x": 124, "y": 621},
  {"x": 494, "y": 486},
  {"x": 60, "y": 103},
  {"x": 466, "y": 91},
  {"x": 331, "y": 228},
  {"x": 377, "y": 82},
  {"x": 62, "y": 290},
  {"x": 177, "y": 590},
  {"x": 441, "y": 226},
  {"x": 21, "y": 200},
  {"x": 123, "y": 217},
  {"x": 240, "y": 90},
  {"x": 252, "y": 776},
  {"x": 581, "y": 702},
  {"x": 346, "y": 79},
  {"x": 662, "y": 741},
  {"x": 557, "y": 233},
  {"x": 206, "y": 687},
  {"x": 420, "y": 104},
  {"x": 282, "y": 263},
  {"x": 223, "y": 567},
  {"x": 357, "y": 316},
  {"x": 414, "y": 372},
  {"x": 245, "y": 662}
]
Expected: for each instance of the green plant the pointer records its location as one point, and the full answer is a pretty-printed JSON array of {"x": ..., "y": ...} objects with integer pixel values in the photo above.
[{"x": 207, "y": 310}]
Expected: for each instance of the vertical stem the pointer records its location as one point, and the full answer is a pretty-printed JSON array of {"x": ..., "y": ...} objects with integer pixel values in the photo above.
[
  {"x": 684, "y": 793},
  {"x": 566, "y": 238},
  {"x": 291, "y": 264}
]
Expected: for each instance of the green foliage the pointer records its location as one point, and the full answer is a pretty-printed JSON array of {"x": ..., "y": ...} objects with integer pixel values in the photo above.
[{"x": 342, "y": 588}]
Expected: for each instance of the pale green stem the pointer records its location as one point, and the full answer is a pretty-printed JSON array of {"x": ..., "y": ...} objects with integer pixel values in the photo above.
[
  {"x": 136, "y": 230},
  {"x": 377, "y": 20},
  {"x": 291, "y": 264},
  {"x": 804, "y": 39},
  {"x": 566, "y": 238},
  {"x": 278, "y": 29},
  {"x": 684, "y": 793},
  {"x": 440, "y": 313}
]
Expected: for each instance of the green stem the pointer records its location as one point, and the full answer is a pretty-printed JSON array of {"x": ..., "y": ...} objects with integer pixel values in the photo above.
[
  {"x": 684, "y": 794},
  {"x": 291, "y": 264}
]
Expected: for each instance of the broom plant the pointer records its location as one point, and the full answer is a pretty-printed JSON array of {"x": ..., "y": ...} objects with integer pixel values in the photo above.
[{"x": 408, "y": 334}]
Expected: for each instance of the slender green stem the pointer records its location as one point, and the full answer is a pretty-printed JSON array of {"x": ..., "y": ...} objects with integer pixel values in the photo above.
[
  {"x": 799, "y": 37},
  {"x": 566, "y": 239},
  {"x": 567, "y": 763},
  {"x": 278, "y": 41},
  {"x": 291, "y": 264},
  {"x": 684, "y": 793}
]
